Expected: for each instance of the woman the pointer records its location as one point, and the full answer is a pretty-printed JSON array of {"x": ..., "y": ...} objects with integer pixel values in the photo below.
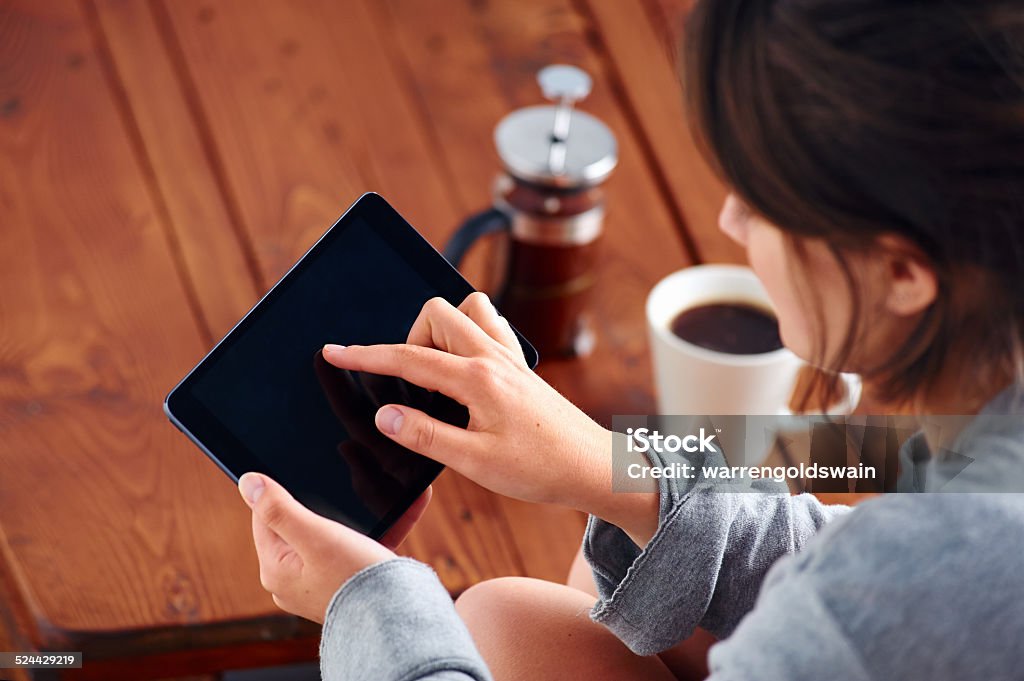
[{"x": 875, "y": 153}]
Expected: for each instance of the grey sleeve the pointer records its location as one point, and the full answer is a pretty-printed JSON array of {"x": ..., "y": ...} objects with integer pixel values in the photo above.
[
  {"x": 703, "y": 567},
  {"x": 908, "y": 586},
  {"x": 395, "y": 621},
  {"x": 791, "y": 634}
]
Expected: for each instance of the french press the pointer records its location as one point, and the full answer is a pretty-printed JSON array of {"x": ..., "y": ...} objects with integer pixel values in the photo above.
[{"x": 550, "y": 201}]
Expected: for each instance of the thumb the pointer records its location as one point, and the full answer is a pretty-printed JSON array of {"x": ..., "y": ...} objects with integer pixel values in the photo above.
[
  {"x": 424, "y": 434},
  {"x": 277, "y": 509}
]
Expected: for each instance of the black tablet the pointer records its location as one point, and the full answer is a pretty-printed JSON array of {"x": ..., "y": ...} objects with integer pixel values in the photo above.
[{"x": 265, "y": 400}]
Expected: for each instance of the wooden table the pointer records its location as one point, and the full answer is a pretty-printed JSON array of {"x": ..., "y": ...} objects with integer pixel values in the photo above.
[{"x": 161, "y": 164}]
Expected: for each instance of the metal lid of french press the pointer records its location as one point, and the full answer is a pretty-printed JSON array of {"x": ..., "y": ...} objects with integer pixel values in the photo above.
[{"x": 557, "y": 145}]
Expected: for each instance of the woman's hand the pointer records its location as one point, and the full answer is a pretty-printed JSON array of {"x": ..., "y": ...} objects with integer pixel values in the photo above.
[
  {"x": 524, "y": 439},
  {"x": 305, "y": 558}
]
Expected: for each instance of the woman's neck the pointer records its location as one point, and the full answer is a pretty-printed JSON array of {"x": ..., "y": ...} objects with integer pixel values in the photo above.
[{"x": 951, "y": 405}]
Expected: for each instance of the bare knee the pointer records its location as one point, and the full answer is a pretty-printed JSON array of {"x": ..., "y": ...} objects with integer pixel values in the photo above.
[
  {"x": 531, "y": 629},
  {"x": 495, "y": 599},
  {"x": 518, "y": 622}
]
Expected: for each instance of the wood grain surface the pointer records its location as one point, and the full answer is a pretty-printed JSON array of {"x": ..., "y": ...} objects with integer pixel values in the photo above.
[
  {"x": 111, "y": 520},
  {"x": 162, "y": 163},
  {"x": 296, "y": 147},
  {"x": 646, "y": 47},
  {"x": 180, "y": 162},
  {"x": 443, "y": 51}
]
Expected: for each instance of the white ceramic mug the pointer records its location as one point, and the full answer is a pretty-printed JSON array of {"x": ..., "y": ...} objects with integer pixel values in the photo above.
[{"x": 694, "y": 380}]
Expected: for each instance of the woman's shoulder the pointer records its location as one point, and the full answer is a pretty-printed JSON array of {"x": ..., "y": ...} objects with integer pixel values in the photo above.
[
  {"x": 906, "y": 527},
  {"x": 924, "y": 556},
  {"x": 906, "y": 585}
]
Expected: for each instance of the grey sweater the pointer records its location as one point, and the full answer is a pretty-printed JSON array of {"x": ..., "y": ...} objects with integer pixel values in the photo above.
[{"x": 906, "y": 586}]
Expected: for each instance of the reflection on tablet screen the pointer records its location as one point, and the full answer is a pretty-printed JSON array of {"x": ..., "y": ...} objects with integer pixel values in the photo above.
[
  {"x": 300, "y": 420},
  {"x": 380, "y": 470}
]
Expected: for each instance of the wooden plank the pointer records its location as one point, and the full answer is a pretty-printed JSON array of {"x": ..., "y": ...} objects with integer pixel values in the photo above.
[
  {"x": 307, "y": 114},
  {"x": 15, "y": 619},
  {"x": 296, "y": 122},
  {"x": 181, "y": 163},
  {"x": 112, "y": 522},
  {"x": 471, "y": 65},
  {"x": 182, "y": 665},
  {"x": 641, "y": 47}
]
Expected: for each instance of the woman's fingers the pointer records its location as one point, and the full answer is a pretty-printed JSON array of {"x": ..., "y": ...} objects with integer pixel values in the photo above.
[
  {"x": 425, "y": 435},
  {"x": 464, "y": 330},
  {"x": 278, "y": 510},
  {"x": 426, "y": 367},
  {"x": 270, "y": 548},
  {"x": 439, "y": 325},
  {"x": 478, "y": 307}
]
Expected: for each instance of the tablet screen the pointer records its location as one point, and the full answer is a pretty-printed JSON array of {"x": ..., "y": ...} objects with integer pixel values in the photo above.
[
  {"x": 264, "y": 399},
  {"x": 265, "y": 391}
]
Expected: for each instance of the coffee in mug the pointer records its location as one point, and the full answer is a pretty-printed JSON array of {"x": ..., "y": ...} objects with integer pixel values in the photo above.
[
  {"x": 734, "y": 327},
  {"x": 716, "y": 347},
  {"x": 691, "y": 379}
]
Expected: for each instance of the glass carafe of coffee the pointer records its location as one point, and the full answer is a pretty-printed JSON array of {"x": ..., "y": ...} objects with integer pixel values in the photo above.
[{"x": 550, "y": 200}]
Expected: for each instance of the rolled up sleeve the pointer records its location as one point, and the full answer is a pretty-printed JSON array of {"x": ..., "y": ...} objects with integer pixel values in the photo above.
[
  {"x": 705, "y": 564},
  {"x": 395, "y": 621}
]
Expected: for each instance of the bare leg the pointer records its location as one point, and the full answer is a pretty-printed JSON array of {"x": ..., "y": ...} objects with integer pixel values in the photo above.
[
  {"x": 536, "y": 630},
  {"x": 581, "y": 576},
  {"x": 686, "y": 660}
]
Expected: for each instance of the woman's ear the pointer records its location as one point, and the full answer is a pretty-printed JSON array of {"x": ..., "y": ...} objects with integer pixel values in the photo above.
[{"x": 909, "y": 276}]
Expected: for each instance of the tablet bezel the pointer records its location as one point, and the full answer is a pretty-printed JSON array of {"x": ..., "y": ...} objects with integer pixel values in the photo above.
[{"x": 206, "y": 431}]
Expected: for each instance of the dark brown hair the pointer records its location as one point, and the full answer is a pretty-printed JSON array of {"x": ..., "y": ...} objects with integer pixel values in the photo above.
[{"x": 849, "y": 119}]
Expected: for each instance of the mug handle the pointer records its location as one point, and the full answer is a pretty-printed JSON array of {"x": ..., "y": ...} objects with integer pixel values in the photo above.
[
  {"x": 476, "y": 226},
  {"x": 854, "y": 387},
  {"x": 844, "y": 407}
]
